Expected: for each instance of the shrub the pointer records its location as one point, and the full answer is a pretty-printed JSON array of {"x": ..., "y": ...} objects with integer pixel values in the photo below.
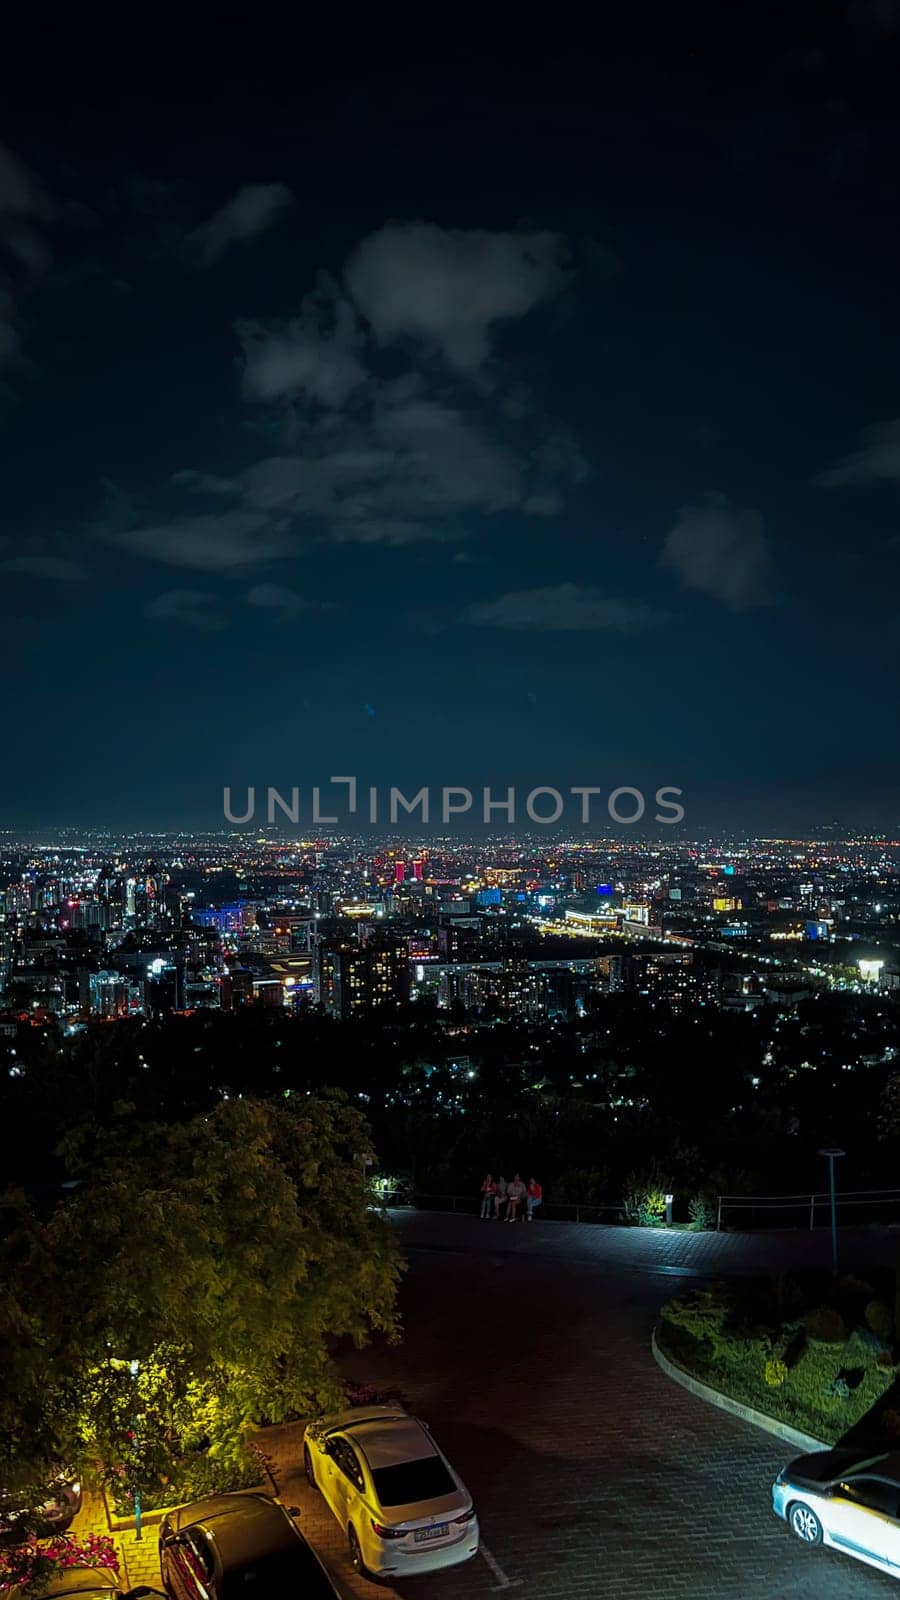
[
  {"x": 703, "y": 1210},
  {"x": 796, "y": 1346},
  {"x": 787, "y": 1298},
  {"x": 702, "y": 1314},
  {"x": 885, "y": 1360},
  {"x": 392, "y": 1189},
  {"x": 787, "y": 1344},
  {"x": 194, "y": 1476},
  {"x": 582, "y": 1186},
  {"x": 651, "y": 1213},
  {"x": 863, "y": 1345},
  {"x": 825, "y": 1325},
  {"x": 849, "y": 1284},
  {"x": 645, "y": 1198},
  {"x": 879, "y": 1320},
  {"x": 775, "y": 1373}
]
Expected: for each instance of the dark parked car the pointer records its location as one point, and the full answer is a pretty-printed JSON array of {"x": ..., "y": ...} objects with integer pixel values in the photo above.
[
  {"x": 53, "y": 1516},
  {"x": 93, "y": 1583},
  {"x": 235, "y": 1543}
]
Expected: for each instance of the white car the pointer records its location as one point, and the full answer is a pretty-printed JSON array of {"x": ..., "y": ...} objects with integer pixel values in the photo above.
[
  {"x": 402, "y": 1506},
  {"x": 845, "y": 1500}
]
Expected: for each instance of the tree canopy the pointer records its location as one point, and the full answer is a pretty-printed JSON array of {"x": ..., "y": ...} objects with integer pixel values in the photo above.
[{"x": 193, "y": 1284}]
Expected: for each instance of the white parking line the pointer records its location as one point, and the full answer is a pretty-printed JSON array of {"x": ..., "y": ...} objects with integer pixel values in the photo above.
[{"x": 503, "y": 1582}]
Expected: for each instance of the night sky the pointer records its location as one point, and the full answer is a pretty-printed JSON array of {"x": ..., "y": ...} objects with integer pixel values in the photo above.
[{"x": 502, "y": 408}]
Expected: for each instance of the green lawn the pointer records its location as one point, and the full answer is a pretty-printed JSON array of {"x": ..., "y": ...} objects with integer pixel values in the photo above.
[{"x": 733, "y": 1357}]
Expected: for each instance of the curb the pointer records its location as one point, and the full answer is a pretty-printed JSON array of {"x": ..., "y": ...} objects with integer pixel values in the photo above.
[
  {"x": 152, "y": 1519},
  {"x": 757, "y": 1419}
]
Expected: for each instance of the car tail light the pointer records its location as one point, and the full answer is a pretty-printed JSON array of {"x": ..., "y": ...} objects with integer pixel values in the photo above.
[
  {"x": 466, "y": 1517},
  {"x": 387, "y": 1533}
]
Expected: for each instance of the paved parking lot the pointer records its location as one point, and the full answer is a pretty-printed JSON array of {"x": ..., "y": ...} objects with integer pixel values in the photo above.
[{"x": 527, "y": 1350}]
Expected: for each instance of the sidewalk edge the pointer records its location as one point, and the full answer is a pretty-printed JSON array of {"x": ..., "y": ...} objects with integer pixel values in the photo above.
[{"x": 714, "y": 1397}]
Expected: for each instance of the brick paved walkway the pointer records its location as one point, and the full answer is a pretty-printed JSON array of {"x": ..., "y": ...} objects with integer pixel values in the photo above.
[
  {"x": 594, "y": 1475},
  {"x": 139, "y": 1560},
  {"x": 596, "y": 1478},
  {"x": 653, "y": 1249}
]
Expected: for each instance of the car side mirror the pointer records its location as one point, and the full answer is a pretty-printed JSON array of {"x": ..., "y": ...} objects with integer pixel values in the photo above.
[{"x": 293, "y": 1511}]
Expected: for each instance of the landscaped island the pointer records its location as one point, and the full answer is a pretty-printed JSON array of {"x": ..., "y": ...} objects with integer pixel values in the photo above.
[{"x": 817, "y": 1355}]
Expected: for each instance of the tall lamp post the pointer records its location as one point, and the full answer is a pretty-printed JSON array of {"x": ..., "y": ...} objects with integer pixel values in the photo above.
[
  {"x": 134, "y": 1368},
  {"x": 833, "y": 1153}
]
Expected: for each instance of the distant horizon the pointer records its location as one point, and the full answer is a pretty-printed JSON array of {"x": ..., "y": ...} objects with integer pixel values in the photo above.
[{"x": 837, "y": 833}]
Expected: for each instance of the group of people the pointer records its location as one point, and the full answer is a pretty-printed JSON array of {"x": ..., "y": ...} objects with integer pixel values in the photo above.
[{"x": 498, "y": 1196}]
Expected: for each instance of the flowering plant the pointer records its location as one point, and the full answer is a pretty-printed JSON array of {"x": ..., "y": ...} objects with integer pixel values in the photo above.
[
  {"x": 368, "y": 1394},
  {"x": 31, "y": 1565}
]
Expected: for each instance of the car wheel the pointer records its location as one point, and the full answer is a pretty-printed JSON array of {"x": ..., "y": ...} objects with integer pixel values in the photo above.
[
  {"x": 805, "y": 1524},
  {"x": 308, "y": 1469},
  {"x": 356, "y": 1553}
]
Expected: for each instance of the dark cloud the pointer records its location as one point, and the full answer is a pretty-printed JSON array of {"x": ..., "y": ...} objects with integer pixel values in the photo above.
[
  {"x": 246, "y": 215},
  {"x": 204, "y": 483},
  {"x": 721, "y": 550},
  {"x": 211, "y": 543},
  {"x": 274, "y": 597},
  {"x": 564, "y": 608},
  {"x": 400, "y": 460},
  {"x": 58, "y": 568},
  {"x": 877, "y": 460},
  {"x": 26, "y": 208},
  {"x": 447, "y": 288},
  {"x": 404, "y": 463},
  {"x": 190, "y": 608},
  {"x": 316, "y": 355}
]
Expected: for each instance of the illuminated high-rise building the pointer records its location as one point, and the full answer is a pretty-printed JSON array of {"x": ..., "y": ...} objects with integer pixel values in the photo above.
[
  {"x": 7, "y": 950},
  {"x": 354, "y": 980}
]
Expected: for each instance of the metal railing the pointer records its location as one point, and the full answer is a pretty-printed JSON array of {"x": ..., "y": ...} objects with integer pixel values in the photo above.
[
  {"x": 470, "y": 1205},
  {"x": 812, "y": 1207},
  {"x": 807, "y": 1209}
]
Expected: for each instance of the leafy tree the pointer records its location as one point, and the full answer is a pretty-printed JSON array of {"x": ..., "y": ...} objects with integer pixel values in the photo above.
[{"x": 191, "y": 1287}]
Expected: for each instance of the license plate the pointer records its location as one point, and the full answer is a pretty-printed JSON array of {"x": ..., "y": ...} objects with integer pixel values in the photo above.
[{"x": 424, "y": 1534}]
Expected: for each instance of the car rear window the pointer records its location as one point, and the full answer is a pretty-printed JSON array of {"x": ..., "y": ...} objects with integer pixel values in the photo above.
[{"x": 410, "y": 1481}]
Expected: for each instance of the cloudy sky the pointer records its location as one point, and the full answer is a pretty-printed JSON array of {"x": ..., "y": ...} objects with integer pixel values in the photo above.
[{"x": 532, "y": 418}]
